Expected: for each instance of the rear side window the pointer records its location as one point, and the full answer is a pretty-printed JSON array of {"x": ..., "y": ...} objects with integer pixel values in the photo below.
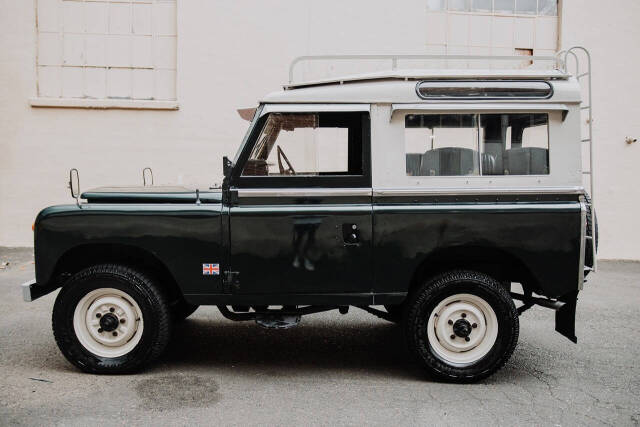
[{"x": 477, "y": 144}]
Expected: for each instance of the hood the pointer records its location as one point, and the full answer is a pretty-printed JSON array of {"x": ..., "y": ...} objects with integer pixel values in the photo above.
[{"x": 151, "y": 194}]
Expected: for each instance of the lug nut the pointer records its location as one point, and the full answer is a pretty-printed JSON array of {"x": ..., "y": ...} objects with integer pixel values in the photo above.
[
  {"x": 463, "y": 315},
  {"x": 475, "y": 325},
  {"x": 453, "y": 337},
  {"x": 100, "y": 330},
  {"x": 98, "y": 315},
  {"x": 112, "y": 309},
  {"x": 450, "y": 322},
  {"x": 122, "y": 320},
  {"x": 115, "y": 334},
  {"x": 467, "y": 339}
]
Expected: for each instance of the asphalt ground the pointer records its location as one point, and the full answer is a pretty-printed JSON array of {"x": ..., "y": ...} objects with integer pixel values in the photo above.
[{"x": 332, "y": 369}]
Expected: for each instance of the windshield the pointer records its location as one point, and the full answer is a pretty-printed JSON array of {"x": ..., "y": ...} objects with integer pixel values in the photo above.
[{"x": 246, "y": 136}]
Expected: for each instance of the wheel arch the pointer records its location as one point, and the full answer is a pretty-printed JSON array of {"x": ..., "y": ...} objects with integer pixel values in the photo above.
[
  {"x": 498, "y": 263},
  {"x": 86, "y": 255}
]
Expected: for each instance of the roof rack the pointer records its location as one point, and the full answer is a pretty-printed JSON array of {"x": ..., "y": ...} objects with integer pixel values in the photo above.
[{"x": 555, "y": 59}]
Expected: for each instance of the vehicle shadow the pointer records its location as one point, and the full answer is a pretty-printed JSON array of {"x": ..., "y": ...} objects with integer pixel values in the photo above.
[{"x": 317, "y": 345}]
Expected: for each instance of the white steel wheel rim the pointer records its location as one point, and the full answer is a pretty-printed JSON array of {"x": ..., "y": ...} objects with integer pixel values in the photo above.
[
  {"x": 454, "y": 348},
  {"x": 109, "y": 338}
]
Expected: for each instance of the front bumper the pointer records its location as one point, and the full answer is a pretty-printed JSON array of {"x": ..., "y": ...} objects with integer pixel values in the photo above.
[{"x": 30, "y": 291}]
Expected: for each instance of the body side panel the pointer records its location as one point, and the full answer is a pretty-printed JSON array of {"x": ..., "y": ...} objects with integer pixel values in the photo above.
[{"x": 182, "y": 237}]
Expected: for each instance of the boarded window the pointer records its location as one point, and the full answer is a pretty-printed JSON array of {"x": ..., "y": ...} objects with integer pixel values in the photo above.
[{"x": 107, "y": 49}]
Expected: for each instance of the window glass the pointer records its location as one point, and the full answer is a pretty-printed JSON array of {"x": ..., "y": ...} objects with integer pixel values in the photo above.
[
  {"x": 514, "y": 144},
  {"x": 548, "y": 7},
  {"x": 459, "y": 5},
  {"x": 447, "y": 144},
  {"x": 307, "y": 145},
  {"x": 526, "y": 7},
  {"x": 503, "y": 6},
  {"x": 441, "y": 144},
  {"x": 435, "y": 4},
  {"x": 482, "y": 5}
]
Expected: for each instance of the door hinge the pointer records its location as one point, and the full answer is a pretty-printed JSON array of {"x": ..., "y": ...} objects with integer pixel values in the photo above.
[{"x": 231, "y": 281}]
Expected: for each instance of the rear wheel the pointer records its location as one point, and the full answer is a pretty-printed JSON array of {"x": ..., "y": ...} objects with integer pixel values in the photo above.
[
  {"x": 111, "y": 319},
  {"x": 462, "y": 326}
]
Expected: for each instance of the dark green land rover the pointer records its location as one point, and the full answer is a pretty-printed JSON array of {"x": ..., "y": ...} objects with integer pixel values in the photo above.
[{"x": 434, "y": 199}]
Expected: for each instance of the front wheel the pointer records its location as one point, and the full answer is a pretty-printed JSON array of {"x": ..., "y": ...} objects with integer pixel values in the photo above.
[
  {"x": 111, "y": 319},
  {"x": 462, "y": 326}
]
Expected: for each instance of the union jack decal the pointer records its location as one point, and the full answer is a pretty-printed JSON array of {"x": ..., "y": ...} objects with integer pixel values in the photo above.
[{"x": 210, "y": 269}]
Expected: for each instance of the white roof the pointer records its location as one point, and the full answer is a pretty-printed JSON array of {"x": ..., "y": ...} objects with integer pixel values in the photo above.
[
  {"x": 438, "y": 74},
  {"x": 399, "y": 86}
]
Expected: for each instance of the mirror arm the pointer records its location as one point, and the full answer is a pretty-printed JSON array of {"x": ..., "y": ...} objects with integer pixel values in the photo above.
[{"x": 75, "y": 194}]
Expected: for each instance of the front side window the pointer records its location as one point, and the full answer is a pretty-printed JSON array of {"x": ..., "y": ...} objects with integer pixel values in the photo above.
[
  {"x": 308, "y": 145},
  {"x": 477, "y": 144}
]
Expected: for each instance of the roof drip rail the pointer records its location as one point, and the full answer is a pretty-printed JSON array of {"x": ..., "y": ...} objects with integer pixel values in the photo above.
[
  {"x": 563, "y": 58},
  {"x": 395, "y": 58}
]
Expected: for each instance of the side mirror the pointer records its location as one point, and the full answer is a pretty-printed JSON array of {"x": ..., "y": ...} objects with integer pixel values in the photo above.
[
  {"x": 74, "y": 184},
  {"x": 227, "y": 166}
]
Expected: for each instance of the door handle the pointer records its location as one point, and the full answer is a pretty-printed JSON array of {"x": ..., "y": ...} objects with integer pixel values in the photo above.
[{"x": 350, "y": 234}]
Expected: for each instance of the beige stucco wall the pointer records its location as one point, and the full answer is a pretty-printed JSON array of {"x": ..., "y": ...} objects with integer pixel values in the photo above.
[{"x": 231, "y": 53}]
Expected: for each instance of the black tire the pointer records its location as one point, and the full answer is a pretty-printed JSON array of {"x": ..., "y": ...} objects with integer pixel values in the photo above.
[
  {"x": 592, "y": 223},
  {"x": 426, "y": 298},
  {"x": 140, "y": 288},
  {"x": 396, "y": 312},
  {"x": 182, "y": 309}
]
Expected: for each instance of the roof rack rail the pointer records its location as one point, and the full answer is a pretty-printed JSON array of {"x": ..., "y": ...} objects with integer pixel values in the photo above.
[{"x": 555, "y": 59}]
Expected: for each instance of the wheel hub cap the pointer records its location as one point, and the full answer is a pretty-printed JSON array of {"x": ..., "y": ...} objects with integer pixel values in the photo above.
[
  {"x": 109, "y": 322},
  {"x": 462, "y": 328}
]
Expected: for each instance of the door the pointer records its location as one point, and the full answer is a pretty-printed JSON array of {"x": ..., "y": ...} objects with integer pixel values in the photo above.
[{"x": 300, "y": 211}]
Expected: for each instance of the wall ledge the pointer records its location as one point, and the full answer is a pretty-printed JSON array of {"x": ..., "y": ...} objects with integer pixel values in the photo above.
[{"x": 104, "y": 104}]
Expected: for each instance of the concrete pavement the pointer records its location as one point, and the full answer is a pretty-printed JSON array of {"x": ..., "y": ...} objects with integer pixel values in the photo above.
[{"x": 331, "y": 369}]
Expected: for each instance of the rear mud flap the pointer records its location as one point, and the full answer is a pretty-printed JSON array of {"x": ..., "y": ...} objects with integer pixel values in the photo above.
[{"x": 566, "y": 316}]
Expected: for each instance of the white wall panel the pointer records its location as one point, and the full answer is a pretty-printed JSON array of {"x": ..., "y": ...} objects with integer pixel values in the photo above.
[
  {"x": 524, "y": 33},
  {"x": 436, "y": 24},
  {"x": 546, "y": 33},
  {"x": 73, "y": 16},
  {"x": 458, "y": 30},
  {"x": 119, "y": 18},
  {"x": 73, "y": 49},
  {"x": 96, "y": 17},
  {"x": 119, "y": 83},
  {"x": 502, "y": 31},
  {"x": 49, "y": 49},
  {"x": 480, "y": 30},
  {"x": 143, "y": 84},
  {"x": 95, "y": 82},
  {"x": 95, "y": 49},
  {"x": 72, "y": 82},
  {"x": 142, "y": 18},
  {"x": 118, "y": 51},
  {"x": 164, "y": 18},
  {"x": 50, "y": 81},
  {"x": 142, "y": 55},
  {"x": 48, "y": 15}
]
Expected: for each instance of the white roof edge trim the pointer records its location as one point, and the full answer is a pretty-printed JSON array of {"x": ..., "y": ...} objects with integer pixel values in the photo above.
[
  {"x": 437, "y": 74},
  {"x": 313, "y": 108},
  {"x": 479, "y": 107}
]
